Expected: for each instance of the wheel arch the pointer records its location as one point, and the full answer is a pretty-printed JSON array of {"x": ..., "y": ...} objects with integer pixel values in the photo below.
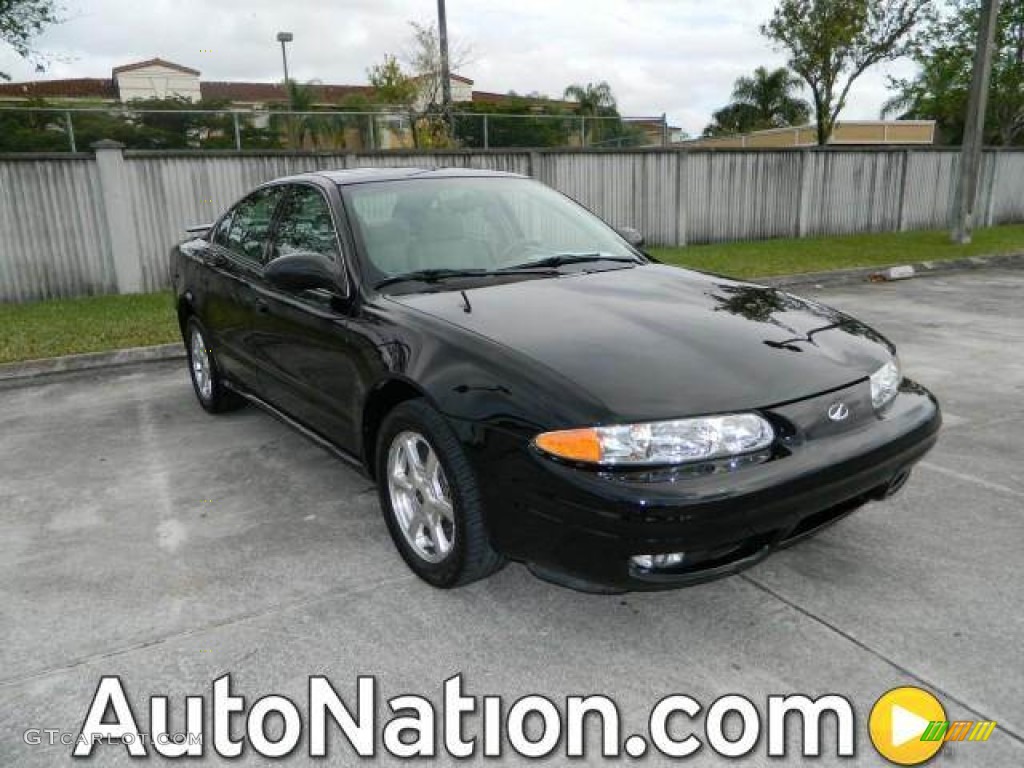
[
  {"x": 185, "y": 309},
  {"x": 381, "y": 400}
]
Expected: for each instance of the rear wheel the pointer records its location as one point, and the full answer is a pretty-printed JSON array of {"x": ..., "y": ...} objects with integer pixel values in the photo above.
[
  {"x": 206, "y": 377},
  {"x": 430, "y": 498}
]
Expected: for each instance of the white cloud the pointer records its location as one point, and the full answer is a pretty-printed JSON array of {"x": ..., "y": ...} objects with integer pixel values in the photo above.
[{"x": 674, "y": 56}]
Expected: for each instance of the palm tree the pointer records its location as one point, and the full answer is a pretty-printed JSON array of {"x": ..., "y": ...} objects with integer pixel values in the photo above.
[
  {"x": 769, "y": 93},
  {"x": 298, "y": 128},
  {"x": 765, "y": 100},
  {"x": 306, "y": 130},
  {"x": 593, "y": 100}
]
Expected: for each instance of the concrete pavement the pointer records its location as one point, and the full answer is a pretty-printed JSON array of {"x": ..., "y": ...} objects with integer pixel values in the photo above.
[{"x": 143, "y": 538}]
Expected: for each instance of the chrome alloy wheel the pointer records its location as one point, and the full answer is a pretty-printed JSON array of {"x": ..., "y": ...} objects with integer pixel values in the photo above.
[
  {"x": 420, "y": 496},
  {"x": 202, "y": 373}
]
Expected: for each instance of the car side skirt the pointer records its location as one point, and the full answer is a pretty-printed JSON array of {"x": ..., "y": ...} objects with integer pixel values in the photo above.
[{"x": 349, "y": 458}]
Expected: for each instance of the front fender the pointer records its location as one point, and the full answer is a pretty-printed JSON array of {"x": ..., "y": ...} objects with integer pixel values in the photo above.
[{"x": 471, "y": 378}]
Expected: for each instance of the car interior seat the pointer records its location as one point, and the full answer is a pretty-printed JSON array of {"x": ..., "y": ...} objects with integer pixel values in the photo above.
[
  {"x": 388, "y": 246},
  {"x": 442, "y": 242}
]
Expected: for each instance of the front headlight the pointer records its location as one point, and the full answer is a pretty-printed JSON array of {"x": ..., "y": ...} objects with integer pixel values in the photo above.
[
  {"x": 661, "y": 442},
  {"x": 885, "y": 383}
]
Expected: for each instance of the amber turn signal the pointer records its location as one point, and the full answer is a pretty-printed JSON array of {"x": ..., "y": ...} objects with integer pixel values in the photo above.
[{"x": 571, "y": 444}]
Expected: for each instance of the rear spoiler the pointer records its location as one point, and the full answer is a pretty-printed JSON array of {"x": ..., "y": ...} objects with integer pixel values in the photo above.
[{"x": 198, "y": 229}]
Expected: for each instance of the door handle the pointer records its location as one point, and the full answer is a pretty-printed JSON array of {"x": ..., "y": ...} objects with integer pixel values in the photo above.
[{"x": 261, "y": 305}]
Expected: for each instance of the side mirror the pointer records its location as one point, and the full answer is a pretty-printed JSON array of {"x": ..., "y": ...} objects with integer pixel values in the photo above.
[
  {"x": 631, "y": 236},
  {"x": 301, "y": 271}
]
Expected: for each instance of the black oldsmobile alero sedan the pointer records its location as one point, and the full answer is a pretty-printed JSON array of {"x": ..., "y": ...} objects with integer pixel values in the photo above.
[{"x": 523, "y": 382}]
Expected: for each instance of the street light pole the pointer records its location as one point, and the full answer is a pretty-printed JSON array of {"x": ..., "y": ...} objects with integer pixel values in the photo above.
[
  {"x": 284, "y": 38},
  {"x": 974, "y": 128}
]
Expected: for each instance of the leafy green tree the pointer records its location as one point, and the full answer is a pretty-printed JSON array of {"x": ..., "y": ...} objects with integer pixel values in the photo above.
[
  {"x": 946, "y": 57},
  {"x": 21, "y": 21},
  {"x": 423, "y": 58},
  {"x": 415, "y": 91},
  {"x": 831, "y": 43},
  {"x": 732, "y": 119},
  {"x": 254, "y": 134},
  {"x": 763, "y": 101},
  {"x": 141, "y": 124},
  {"x": 391, "y": 84},
  {"x": 395, "y": 88},
  {"x": 431, "y": 126},
  {"x": 177, "y": 123},
  {"x": 620, "y": 133},
  {"x": 514, "y": 122},
  {"x": 31, "y": 130}
]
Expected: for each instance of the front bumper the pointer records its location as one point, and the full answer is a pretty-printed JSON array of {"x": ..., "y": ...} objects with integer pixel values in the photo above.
[{"x": 580, "y": 526}]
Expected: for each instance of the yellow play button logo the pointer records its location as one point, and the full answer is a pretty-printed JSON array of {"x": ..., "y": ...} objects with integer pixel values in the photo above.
[{"x": 898, "y": 721}]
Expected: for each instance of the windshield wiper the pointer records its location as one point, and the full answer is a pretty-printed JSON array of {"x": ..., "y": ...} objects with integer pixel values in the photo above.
[
  {"x": 560, "y": 259},
  {"x": 443, "y": 273}
]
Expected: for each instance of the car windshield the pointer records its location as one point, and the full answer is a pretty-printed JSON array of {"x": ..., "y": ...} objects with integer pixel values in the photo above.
[{"x": 432, "y": 227}]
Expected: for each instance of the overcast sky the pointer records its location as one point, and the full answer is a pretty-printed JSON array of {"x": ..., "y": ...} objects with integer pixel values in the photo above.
[{"x": 673, "y": 56}]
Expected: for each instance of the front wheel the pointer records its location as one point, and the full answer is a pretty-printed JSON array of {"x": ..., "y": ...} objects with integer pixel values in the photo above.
[
  {"x": 430, "y": 498},
  {"x": 206, "y": 377}
]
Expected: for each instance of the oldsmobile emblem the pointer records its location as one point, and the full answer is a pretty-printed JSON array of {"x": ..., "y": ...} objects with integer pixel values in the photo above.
[{"x": 838, "y": 411}]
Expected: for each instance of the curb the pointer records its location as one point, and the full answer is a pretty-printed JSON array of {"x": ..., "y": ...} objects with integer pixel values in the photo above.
[
  {"x": 34, "y": 369},
  {"x": 886, "y": 274}
]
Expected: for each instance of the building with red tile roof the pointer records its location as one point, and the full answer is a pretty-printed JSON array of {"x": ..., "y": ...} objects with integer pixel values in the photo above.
[{"x": 158, "y": 78}]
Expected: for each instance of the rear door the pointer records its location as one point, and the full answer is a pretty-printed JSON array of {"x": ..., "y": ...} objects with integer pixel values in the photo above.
[
  {"x": 307, "y": 343},
  {"x": 238, "y": 252}
]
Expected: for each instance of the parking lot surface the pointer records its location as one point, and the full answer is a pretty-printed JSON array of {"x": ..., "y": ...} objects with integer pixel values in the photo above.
[{"x": 143, "y": 538}]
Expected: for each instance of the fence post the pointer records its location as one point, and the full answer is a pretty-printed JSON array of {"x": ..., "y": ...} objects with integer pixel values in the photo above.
[
  {"x": 487, "y": 138},
  {"x": 71, "y": 131},
  {"x": 117, "y": 207},
  {"x": 804, "y": 193},
  {"x": 583, "y": 131},
  {"x": 901, "y": 222},
  {"x": 990, "y": 160},
  {"x": 682, "y": 158},
  {"x": 535, "y": 161},
  {"x": 238, "y": 132}
]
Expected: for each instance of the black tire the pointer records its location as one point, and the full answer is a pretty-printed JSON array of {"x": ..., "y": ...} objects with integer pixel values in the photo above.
[
  {"x": 471, "y": 556},
  {"x": 214, "y": 397}
]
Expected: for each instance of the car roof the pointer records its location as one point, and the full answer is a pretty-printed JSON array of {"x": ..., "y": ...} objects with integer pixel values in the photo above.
[{"x": 345, "y": 177}]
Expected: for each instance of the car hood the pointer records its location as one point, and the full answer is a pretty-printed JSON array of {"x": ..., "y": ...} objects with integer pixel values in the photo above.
[{"x": 654, "y": 341}]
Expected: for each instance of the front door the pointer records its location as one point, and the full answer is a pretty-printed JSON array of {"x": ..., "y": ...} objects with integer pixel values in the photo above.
[{"x": 306, "y": 342}]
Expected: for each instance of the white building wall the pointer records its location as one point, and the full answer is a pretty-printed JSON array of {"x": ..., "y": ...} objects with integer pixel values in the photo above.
[
  {"x": 461, "y": 91},
  {"x": 157, "y": 82}
]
